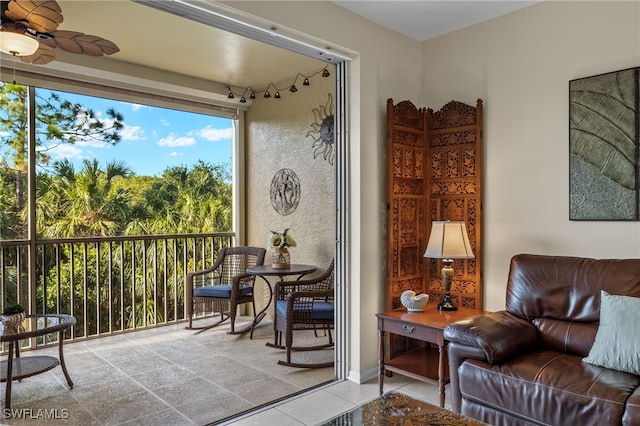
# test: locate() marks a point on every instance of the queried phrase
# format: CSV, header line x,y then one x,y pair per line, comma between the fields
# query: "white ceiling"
x,y
159,40
422,20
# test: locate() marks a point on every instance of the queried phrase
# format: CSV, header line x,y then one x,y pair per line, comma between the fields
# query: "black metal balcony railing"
x,y
109,284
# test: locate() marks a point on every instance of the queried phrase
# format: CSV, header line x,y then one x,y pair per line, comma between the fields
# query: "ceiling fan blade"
x,y
42,15
43,55
76,42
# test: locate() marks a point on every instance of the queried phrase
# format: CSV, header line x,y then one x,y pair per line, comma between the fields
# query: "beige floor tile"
x,y
119,410
168,417
313,408
353,392
263,391
266,418
213,407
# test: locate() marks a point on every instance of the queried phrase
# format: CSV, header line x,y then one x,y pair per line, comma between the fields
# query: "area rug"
x,y
396,409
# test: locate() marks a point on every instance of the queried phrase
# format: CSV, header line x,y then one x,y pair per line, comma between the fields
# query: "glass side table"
x,y
17,368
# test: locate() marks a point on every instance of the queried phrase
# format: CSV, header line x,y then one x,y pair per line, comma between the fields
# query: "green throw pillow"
x,y
617,342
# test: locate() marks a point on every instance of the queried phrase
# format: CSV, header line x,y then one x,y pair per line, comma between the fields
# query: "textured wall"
x,y
281,134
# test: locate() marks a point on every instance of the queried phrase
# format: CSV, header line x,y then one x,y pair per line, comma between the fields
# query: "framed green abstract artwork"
x,y
604,146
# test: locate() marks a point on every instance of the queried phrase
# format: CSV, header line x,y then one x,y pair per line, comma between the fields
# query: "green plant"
x,y
13,309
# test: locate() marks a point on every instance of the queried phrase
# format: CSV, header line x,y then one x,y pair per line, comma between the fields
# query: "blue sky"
x,y
153,138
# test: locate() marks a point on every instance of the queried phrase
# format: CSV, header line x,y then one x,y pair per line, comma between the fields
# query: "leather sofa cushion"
x,y
499,334
571,337
567,288
632,412
549,387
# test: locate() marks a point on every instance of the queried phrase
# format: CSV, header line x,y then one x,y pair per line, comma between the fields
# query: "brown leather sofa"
x,y
523,365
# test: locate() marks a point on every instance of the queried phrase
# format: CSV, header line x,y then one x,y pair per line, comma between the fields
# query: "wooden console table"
x,y
427,326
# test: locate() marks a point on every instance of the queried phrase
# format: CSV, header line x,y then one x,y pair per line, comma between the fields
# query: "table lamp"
x,y
448,241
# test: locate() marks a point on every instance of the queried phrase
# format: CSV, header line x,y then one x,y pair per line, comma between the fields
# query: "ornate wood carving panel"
x,y
406,200
433,173
454,143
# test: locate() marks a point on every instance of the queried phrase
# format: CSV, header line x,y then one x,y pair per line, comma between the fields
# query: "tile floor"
x,y
320,405
171,376
162,376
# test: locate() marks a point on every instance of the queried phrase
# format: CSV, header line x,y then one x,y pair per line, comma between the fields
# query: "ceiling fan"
x,y
29,31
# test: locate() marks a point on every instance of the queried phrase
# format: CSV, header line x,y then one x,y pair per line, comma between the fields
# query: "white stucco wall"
x,y
521,65
280,134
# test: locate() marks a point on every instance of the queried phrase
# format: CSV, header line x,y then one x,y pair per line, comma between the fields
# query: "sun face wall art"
x,y
322,131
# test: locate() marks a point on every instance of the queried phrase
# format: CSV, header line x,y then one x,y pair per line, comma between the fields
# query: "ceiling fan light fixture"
x,y
17,43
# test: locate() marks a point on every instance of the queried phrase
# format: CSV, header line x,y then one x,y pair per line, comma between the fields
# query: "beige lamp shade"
x,y
448,240
17,44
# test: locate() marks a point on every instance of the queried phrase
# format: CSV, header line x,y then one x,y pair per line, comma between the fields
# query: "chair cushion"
x,y
321,311
220,291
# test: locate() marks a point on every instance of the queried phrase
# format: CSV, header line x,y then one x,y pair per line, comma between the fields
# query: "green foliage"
x,y
100,200
13,309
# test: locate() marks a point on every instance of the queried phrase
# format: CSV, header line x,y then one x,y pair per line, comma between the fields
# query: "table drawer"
x,y
412,330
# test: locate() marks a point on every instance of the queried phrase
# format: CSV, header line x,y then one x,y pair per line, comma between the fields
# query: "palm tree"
x,y
83,203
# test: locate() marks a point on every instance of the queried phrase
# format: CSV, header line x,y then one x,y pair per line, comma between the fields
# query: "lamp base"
x,y
447,305
447,278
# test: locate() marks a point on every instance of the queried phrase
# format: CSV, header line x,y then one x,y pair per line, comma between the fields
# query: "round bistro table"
x,y
17,368
264,271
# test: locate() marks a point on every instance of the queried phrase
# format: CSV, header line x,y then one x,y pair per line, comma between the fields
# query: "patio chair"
x,y
224,286
304,305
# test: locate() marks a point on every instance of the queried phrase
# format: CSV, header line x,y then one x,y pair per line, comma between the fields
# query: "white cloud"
x,y
94,143
212,134
165,123
172,141
174,154
66,151
132,133
136,107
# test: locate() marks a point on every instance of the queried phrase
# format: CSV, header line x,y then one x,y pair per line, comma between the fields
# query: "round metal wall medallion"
x,y
285,191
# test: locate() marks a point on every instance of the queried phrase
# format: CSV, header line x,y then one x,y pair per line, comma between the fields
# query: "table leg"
x,y
381,362
7,395
61,357
441,353
260,315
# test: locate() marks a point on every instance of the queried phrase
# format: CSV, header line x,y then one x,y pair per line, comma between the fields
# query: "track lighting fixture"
x,y
325,73
306,82
293,88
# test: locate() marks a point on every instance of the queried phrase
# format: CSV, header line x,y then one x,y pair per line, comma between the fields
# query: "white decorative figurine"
x,y
412,302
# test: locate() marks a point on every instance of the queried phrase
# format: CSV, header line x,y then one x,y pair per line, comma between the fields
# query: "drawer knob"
x,y
408,329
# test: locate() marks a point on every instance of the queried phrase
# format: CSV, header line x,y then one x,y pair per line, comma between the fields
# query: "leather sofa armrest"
x,y
500,335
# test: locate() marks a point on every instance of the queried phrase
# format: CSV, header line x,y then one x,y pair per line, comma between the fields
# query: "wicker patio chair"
x,y
304,305
224,286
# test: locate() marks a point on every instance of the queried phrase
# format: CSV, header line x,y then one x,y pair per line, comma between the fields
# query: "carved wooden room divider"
x,y
434,172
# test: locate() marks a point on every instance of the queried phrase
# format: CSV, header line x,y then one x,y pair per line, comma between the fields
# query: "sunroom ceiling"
x,y
158,40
